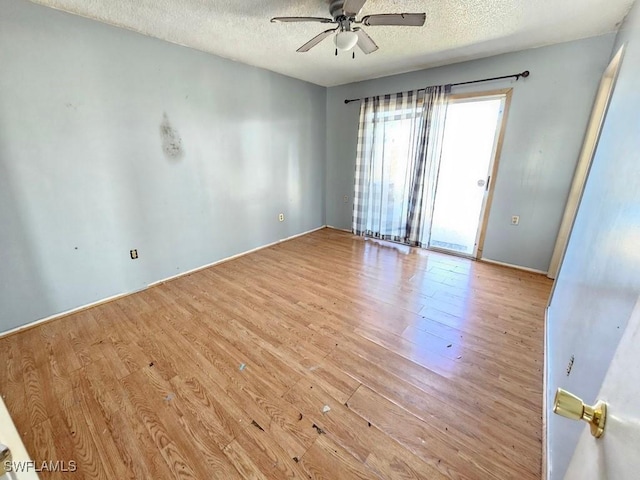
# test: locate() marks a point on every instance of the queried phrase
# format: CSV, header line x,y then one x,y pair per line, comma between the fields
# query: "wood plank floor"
x,y
431,366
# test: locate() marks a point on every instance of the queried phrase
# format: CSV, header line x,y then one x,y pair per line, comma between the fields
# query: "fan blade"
x,y
301,19
403,19
351,8
315,40
365,42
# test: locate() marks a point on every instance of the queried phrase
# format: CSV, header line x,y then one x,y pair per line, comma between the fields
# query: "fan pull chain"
x,y
336,52
353,55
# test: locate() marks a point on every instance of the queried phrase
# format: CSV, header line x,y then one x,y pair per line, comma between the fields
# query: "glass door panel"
x,y
469,145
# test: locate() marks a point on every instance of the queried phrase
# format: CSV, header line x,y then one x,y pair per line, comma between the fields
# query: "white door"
x,y
616,454
20,466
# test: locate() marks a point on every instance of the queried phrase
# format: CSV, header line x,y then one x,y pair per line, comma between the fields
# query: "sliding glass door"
x,y
471,144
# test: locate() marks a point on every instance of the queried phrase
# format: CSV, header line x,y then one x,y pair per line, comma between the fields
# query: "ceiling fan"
x,y
347,36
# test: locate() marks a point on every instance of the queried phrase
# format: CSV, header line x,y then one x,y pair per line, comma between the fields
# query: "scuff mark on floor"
x,y
318,429
255,424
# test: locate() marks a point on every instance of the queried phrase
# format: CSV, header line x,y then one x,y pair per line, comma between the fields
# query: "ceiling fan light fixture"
x,y
344,15
346,40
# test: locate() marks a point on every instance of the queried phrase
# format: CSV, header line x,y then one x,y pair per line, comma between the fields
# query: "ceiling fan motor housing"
x,y
344,13
337,9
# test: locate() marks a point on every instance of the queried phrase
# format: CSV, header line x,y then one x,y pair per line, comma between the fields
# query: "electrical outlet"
x,y
515,220
134,254
345,198
281,217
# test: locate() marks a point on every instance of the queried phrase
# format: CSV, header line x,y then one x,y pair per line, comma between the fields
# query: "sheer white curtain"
x,y
398,156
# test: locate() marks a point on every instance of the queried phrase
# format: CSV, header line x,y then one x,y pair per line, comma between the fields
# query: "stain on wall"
x,y
171,141
52,199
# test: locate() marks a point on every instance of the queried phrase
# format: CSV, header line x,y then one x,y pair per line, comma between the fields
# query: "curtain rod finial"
x,y
525,74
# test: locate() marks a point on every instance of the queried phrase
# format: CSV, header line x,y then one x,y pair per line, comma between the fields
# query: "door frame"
x,y
505,93
588,151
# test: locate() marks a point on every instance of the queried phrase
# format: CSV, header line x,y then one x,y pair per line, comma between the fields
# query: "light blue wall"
x,y
83,174
547,121
599,280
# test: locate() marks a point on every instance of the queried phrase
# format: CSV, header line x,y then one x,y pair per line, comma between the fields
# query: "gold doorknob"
x,y
5,456
570,406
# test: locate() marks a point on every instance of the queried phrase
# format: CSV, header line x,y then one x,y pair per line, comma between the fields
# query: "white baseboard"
x,y
510,265
341,229
35,323
159,282
232,257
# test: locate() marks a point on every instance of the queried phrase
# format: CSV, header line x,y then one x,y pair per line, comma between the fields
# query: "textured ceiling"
x,y
455,30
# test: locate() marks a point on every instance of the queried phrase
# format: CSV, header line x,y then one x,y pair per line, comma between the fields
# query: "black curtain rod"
x,y
517,76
